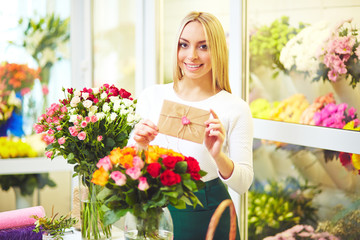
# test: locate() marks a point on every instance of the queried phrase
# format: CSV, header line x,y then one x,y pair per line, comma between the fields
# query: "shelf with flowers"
x,y
142,183
23,184
84,127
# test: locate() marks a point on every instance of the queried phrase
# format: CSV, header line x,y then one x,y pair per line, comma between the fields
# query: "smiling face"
x,y
193,53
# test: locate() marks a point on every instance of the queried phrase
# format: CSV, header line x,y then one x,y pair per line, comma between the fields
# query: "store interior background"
x,y
114,61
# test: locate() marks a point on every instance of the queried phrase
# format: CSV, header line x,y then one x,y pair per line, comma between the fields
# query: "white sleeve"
x,y
240,147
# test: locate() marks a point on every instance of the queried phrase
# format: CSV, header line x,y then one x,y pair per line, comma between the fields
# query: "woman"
x,y
201,81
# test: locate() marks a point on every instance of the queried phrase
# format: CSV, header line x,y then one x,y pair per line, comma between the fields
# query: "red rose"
x,y
124,94
193,165
154,169
169,178
170,161
345,158
196,176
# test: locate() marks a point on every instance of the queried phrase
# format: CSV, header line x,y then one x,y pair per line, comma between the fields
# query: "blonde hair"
x,y
216,41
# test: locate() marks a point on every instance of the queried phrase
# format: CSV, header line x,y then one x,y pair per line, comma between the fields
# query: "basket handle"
x,y
216,217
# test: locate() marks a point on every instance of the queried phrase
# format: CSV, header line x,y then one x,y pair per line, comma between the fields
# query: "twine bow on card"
x,y
183,121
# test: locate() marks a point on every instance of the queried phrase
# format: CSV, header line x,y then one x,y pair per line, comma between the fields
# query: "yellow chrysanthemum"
x,y
355,159
100,177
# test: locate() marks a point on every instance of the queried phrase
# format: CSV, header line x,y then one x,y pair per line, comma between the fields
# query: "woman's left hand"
x,y
214,135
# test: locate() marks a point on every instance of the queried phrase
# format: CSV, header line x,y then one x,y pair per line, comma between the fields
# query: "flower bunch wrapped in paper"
x,y
340,55
84,127
141,182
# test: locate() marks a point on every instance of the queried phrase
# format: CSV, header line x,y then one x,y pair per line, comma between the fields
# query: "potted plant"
x,y
53,227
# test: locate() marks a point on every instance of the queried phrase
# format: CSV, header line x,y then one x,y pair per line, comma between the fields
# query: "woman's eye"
x,y
183,45
204,47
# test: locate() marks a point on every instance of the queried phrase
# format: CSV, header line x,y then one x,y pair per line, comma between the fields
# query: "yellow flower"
x,y
100,177
355,159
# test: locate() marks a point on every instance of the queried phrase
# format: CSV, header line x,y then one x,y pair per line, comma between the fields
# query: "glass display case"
x,y
304,93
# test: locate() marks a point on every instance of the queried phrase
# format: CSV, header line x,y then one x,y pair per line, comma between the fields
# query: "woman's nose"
x,y
193,54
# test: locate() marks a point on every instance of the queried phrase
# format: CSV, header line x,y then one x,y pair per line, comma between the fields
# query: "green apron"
x,y
192,224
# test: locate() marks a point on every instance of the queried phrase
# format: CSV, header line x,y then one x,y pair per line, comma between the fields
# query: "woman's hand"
x,y
144,132
214,135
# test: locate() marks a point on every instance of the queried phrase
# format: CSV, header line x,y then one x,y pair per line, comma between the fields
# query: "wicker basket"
x,y
216,217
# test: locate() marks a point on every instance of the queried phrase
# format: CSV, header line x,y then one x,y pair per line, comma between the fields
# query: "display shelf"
x,y
307,135
33,165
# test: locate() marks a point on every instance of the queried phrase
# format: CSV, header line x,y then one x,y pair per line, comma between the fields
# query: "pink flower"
x,y
94,119
61,140
82,135
63,109
38,128
87,119
49,139
105,163
59,128
137,162
133,172
99,138
50,131
45,89
118,177
143,184
48,154
73,131
25,91
83,124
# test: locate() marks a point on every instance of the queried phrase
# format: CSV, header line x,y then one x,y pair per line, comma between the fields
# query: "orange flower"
x,y
115,156
123,156
100,177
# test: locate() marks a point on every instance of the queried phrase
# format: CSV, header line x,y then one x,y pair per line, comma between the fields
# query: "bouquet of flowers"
x,y
8,103
143,182
18,77
300,52
334,115
340,55
85,126
267,41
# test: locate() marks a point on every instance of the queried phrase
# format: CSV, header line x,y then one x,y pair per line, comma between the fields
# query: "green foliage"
x,y
26,182
54,226
278,206
267,42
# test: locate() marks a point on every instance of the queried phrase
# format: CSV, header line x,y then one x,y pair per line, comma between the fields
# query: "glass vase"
x,y
156,225
91,214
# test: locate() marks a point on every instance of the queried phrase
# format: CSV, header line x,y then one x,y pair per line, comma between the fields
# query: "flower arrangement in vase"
x,y
143,183
45,39
85,126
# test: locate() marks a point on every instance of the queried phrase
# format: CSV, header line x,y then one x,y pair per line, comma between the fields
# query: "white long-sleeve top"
x,y
234,114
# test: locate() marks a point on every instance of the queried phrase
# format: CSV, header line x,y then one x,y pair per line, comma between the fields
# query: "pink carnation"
x,y
82,135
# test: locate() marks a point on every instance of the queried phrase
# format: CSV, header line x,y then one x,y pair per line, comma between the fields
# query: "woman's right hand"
x,y
144,132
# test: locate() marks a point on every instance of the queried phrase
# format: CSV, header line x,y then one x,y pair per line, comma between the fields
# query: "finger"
x,y
214,114
149,123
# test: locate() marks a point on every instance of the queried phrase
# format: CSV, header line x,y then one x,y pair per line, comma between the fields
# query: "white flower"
x,y
73,118
77,93
48,55
302,50
127,102
124,111
113,116
100,115
130,118
85,95
106,107
103,95
74,101
117,105
87,103
93,109
95,90
114,98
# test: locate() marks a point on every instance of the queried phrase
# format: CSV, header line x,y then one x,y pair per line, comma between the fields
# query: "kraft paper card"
x,y
183,121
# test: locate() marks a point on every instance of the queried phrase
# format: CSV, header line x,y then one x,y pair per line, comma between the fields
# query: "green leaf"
x,y
104,193
171,194
113,216
110,142
190,184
